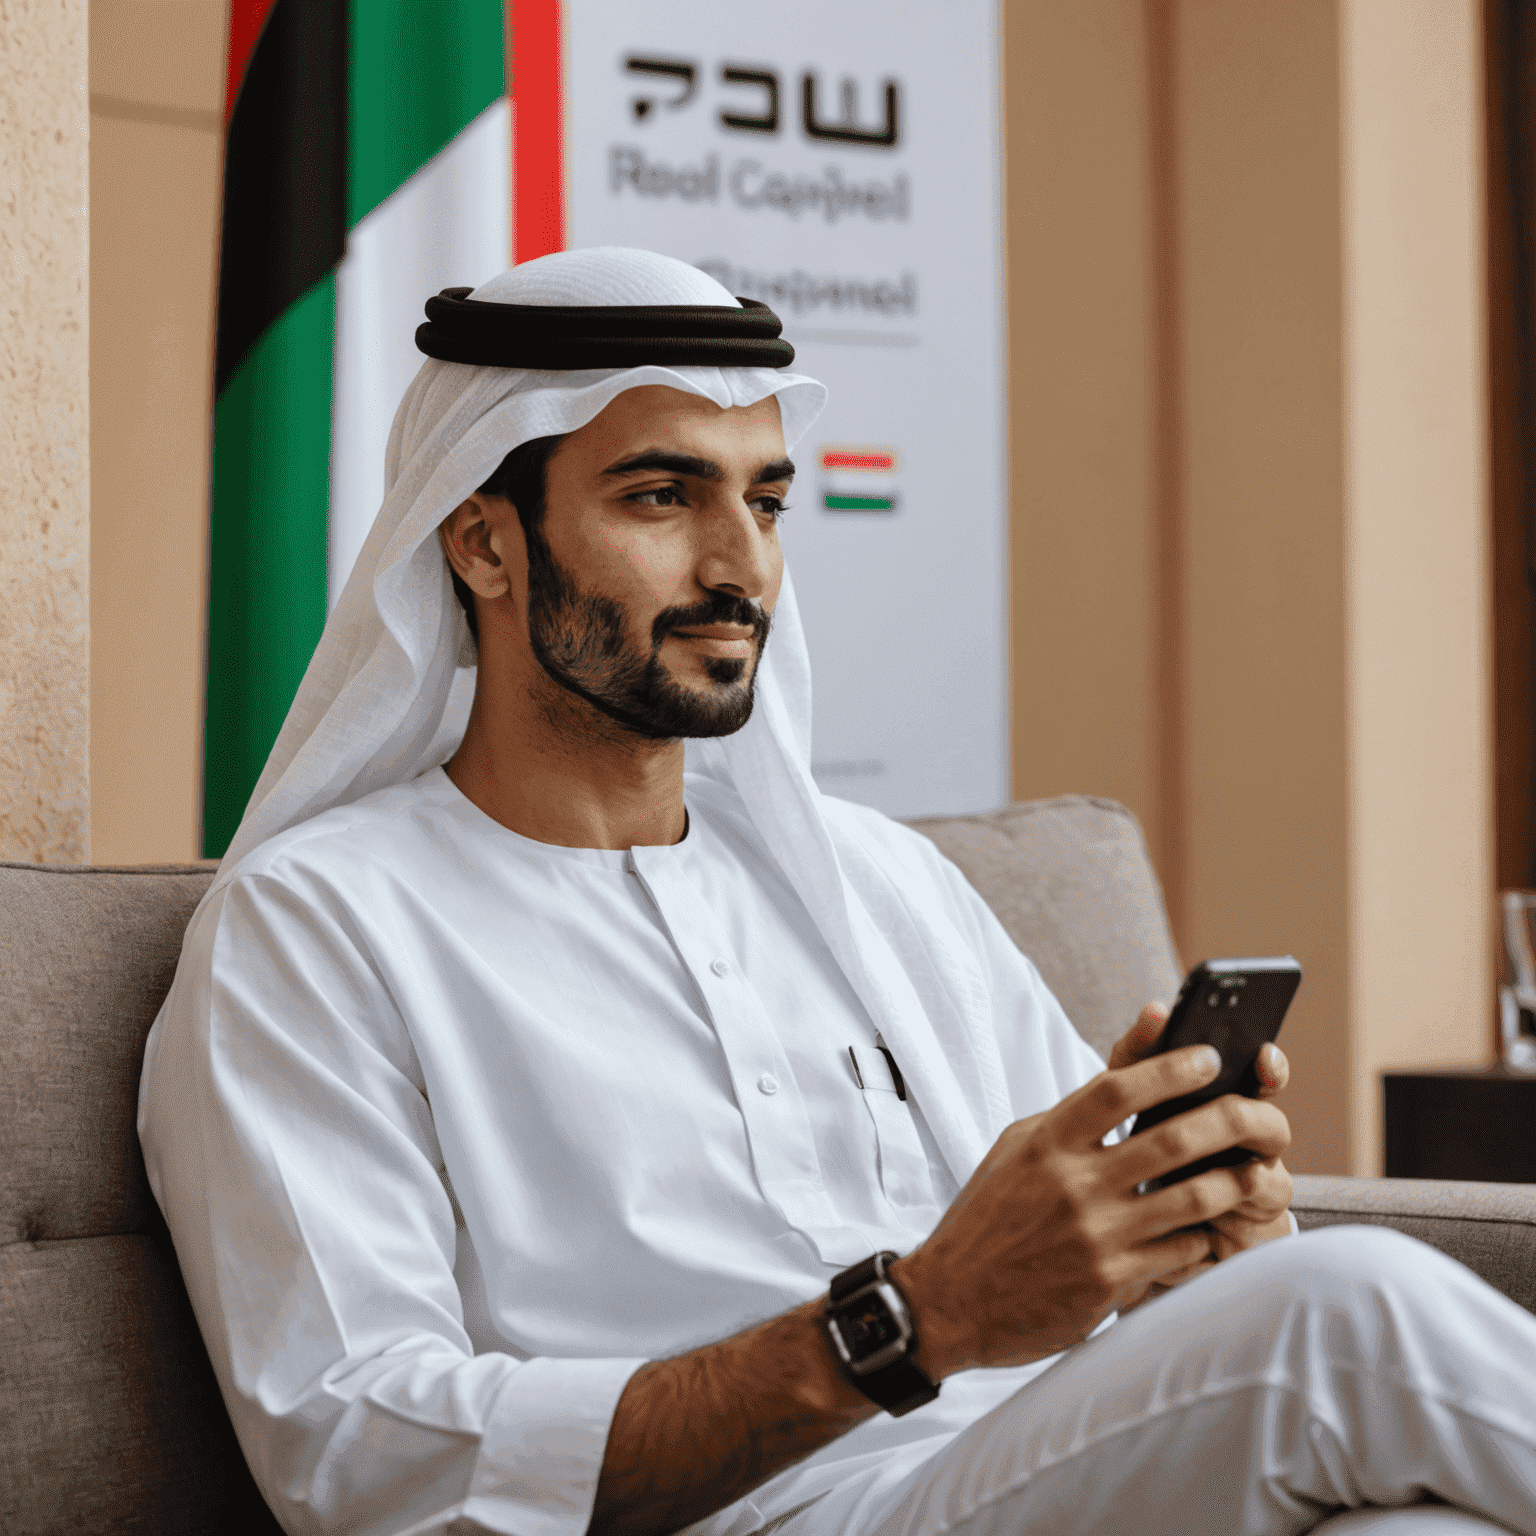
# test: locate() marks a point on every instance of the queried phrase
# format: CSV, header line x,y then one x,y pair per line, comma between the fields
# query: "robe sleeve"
x,y
290,1143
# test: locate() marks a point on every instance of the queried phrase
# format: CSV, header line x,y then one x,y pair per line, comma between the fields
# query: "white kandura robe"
x,y
454,1129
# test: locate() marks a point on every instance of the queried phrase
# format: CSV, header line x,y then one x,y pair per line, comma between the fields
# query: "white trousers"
x,y
1344,1368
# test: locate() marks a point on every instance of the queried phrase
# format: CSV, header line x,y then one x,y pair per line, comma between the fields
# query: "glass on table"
x,y
1517,992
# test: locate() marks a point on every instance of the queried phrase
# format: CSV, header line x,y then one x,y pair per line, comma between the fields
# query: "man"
x,y
513,1117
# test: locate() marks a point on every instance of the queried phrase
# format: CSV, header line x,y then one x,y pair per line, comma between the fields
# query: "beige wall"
x,y
1080,373
157,98
44,426
1249,508
1416,560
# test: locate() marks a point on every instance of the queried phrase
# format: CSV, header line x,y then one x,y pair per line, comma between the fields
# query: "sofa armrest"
x,y
1491,1228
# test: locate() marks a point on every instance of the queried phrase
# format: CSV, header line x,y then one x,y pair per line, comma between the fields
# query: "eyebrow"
x,y
775,469
699,469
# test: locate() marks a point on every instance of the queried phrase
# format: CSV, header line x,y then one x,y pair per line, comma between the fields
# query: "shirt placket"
x,y
778,1127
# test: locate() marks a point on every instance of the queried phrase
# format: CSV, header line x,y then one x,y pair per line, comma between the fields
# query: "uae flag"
x,y
366,166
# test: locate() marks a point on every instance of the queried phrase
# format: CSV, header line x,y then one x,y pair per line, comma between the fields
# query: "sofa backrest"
x,y
110,1418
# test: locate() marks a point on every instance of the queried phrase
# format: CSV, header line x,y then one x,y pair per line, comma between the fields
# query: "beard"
x,y
583,642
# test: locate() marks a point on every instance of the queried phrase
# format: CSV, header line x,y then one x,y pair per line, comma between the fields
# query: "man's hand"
x,y
1050,1234
1263,1213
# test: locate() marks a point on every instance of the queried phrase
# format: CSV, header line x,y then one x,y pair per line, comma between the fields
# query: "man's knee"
x,y
1351,1259
1369,1284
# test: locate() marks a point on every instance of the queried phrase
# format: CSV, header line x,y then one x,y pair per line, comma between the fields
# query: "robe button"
x,y
768,1084
719,967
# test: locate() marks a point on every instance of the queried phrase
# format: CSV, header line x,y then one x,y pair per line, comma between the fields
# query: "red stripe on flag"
x,y
246,18
536,72
857,461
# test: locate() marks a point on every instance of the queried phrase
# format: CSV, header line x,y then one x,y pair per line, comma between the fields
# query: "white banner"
x,y
840,161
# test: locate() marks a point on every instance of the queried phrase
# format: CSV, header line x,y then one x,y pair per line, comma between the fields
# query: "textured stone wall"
x,y
44,424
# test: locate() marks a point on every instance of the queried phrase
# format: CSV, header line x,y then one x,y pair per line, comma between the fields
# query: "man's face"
x,y
654,572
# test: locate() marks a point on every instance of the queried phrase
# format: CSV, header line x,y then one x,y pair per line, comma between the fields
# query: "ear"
x,y
473,536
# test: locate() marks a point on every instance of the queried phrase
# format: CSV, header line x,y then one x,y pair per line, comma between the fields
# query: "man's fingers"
x,y
1267,1188
1134,1044
1274,1070
1230,1121
1087,1116
1174,1255
1204,1198
1161,1260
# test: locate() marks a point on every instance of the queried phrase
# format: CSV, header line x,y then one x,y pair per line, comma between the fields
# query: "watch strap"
x,y
898,1387
865,1272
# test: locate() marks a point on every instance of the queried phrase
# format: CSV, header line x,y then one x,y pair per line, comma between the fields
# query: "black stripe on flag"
x,y
285,174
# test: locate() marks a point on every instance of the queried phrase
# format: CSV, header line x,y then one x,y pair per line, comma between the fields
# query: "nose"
x,y
739,553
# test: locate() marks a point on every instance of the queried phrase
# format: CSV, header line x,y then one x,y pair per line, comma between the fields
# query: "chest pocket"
x,y
904,1174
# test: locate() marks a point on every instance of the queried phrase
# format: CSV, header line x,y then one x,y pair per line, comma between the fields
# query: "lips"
x,y
716,632
721,618
718,644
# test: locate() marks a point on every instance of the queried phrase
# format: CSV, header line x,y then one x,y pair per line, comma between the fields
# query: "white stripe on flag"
x,y
448,226
857,482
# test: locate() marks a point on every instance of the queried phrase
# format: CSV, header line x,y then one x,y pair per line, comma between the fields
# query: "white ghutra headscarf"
x,y
386,696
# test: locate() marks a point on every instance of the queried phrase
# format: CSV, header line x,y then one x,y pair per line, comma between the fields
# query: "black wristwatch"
x,y
870,1330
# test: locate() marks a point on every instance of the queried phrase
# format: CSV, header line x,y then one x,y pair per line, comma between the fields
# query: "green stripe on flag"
x,y
267,549
858,503
421,71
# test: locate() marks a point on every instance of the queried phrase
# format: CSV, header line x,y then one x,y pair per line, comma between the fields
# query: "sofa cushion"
x,y
87,958
109,1415
1071,881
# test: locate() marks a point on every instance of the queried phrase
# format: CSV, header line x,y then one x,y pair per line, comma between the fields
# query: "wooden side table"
x,y
1461,1123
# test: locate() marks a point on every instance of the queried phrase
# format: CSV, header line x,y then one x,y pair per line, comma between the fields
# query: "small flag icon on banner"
x,y
858,479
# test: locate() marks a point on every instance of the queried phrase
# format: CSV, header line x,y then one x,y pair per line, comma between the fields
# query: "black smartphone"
x,y
1236,1006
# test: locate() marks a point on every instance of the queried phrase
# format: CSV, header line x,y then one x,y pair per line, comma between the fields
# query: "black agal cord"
x,y
464,330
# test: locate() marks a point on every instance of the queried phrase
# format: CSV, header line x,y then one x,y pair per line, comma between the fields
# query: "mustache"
x,y
718,608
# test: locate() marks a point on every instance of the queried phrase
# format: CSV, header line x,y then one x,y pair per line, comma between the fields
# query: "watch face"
x,y
867,1326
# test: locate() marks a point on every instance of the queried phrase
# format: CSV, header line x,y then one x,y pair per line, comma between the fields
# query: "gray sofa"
x,y
110,1421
